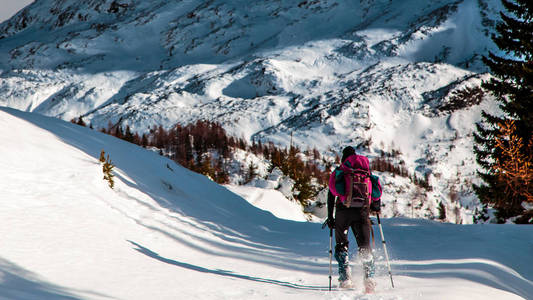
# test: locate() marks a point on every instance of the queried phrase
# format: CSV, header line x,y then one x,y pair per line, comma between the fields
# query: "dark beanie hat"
x,y
346,152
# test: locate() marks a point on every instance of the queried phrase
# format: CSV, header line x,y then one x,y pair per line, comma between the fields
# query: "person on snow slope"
x,y
349,193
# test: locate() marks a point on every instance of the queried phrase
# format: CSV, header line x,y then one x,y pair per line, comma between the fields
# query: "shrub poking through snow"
x,y
102,156
107,168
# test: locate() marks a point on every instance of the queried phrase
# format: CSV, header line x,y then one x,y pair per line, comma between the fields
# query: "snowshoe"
x,y
370,286
346,284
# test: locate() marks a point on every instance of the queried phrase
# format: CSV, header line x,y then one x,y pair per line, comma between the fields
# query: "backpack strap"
x,y
349,190
360,172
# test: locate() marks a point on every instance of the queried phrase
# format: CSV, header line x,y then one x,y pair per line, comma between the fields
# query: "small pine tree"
x,y
107,169
205,167
144,140
221,176
81,122
305,190
102,156
118,132
481,216
442,211
251,173
128,135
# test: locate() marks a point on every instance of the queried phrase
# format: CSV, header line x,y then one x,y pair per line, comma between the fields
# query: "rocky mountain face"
x,y
387,76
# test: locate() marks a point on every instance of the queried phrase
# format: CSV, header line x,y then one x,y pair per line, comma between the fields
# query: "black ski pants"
x,y
356,218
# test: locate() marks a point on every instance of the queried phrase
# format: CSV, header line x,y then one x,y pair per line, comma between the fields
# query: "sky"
x,y
9,7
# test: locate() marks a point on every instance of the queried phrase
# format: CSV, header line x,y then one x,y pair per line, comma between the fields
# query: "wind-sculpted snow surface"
x,y
164,232
398,76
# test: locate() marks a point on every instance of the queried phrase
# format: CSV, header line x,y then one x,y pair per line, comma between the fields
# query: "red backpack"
x,y
351,182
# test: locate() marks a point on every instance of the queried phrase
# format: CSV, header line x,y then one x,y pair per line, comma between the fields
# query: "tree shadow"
x,y
484,272
490,254
226,273
18,283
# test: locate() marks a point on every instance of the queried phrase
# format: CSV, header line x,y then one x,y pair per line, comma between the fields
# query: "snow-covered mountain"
x,y
378,74
165,232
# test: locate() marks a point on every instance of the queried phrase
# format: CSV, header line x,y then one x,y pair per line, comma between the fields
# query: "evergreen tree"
x,y
137,139
251,173
128,135
512,86
107,169
442,211
221,175
205,166
81,122
481,216
161,137
118,132
144,140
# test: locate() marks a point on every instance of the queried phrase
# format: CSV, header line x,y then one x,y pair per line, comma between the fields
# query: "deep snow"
x,y
167,233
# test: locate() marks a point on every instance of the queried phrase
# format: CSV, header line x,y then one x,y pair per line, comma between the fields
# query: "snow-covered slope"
x,y
378,74
164,232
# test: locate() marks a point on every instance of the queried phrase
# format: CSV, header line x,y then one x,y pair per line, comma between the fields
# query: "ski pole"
x,y
372,233
385,248
330,255
330,251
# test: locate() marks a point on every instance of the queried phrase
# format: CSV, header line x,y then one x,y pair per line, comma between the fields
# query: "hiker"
x,y
354,213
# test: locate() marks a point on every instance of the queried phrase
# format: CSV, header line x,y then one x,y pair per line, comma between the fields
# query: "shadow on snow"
x,y
18,283
227,273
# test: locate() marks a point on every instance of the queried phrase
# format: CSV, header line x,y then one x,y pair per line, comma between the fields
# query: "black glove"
x,y
375,206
